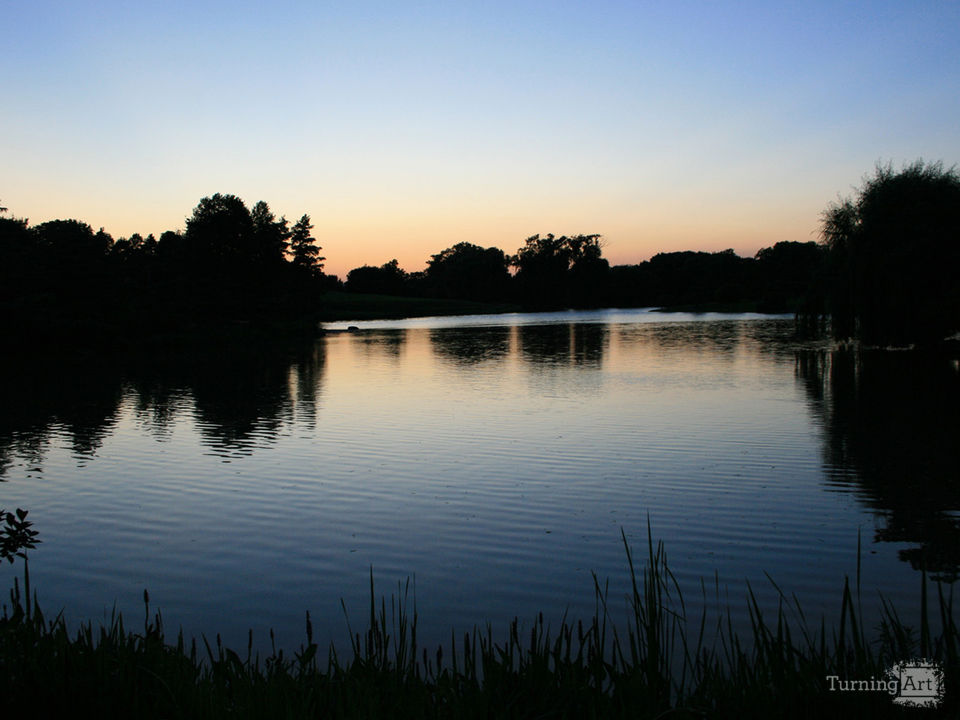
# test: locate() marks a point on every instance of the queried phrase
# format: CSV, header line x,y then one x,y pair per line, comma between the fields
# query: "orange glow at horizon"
x,y
351,238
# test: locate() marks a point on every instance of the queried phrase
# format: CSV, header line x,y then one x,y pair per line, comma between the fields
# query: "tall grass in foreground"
x,y
659,664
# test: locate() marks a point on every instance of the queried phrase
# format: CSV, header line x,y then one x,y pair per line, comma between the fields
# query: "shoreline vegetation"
x,y
884,273
660,663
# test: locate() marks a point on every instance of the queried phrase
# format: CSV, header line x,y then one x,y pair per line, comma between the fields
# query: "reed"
x,y
660,663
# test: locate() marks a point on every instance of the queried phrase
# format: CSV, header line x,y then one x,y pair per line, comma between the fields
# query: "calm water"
x,y
494,460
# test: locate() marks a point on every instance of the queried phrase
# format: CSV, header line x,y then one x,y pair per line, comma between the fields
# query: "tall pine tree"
x,y
302,245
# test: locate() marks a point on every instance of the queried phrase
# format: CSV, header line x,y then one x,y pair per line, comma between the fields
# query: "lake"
x,y
493,460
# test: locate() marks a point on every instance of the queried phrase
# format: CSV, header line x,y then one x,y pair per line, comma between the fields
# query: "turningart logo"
x,y
920,683
914,683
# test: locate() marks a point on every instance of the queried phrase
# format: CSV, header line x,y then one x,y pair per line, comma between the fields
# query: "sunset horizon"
x,y
402,131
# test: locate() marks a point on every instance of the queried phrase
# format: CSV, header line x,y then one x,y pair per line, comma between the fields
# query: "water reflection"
x,y
305,378
76,397
471,345
239,394
718,339
238,399
388,342
892,420
495,463
563,344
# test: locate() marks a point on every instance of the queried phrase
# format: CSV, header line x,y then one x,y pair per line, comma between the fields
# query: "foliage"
x,y
885,272
303,247
570,271
222,233
467,271
270,236
18,259
894,256
388,279
553,254
663,662
220,229
16,535
791,277
229,266
698,279
561,271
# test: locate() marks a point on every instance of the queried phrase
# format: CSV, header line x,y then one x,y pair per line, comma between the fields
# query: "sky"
x,y
403,128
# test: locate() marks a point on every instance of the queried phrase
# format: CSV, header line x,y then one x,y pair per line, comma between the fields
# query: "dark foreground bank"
x,y
661,664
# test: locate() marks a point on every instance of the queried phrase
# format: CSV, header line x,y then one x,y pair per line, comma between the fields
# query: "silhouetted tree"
x,y
469,271
124,247
72,256
790,275
171,245
220,232
589,273
686,278
894,256
230,264
18,259
303,247
135,245
548,268
388,279
72,240
270,236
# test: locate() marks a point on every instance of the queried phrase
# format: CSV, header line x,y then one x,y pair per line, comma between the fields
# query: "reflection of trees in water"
x,y
238,398
45,395
718,338
582,344
471,345
779,338
894,418
240,393
589,344
157,404
306,375
25,444
388,342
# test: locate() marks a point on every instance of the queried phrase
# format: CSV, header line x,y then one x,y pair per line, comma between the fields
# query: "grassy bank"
x,y
339,305
659,664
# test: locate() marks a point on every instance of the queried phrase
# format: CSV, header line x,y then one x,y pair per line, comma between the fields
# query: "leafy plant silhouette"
x,y
16,537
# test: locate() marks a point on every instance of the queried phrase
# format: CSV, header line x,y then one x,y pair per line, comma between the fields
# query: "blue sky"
x,y
403,128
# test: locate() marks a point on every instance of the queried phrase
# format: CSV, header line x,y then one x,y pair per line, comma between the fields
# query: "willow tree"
x,y
894,256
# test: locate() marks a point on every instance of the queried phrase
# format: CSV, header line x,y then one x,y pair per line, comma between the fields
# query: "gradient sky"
x,y
404,128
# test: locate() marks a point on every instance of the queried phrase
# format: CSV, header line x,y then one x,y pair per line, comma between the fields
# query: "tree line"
x,y
230,264
884,271
550,272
